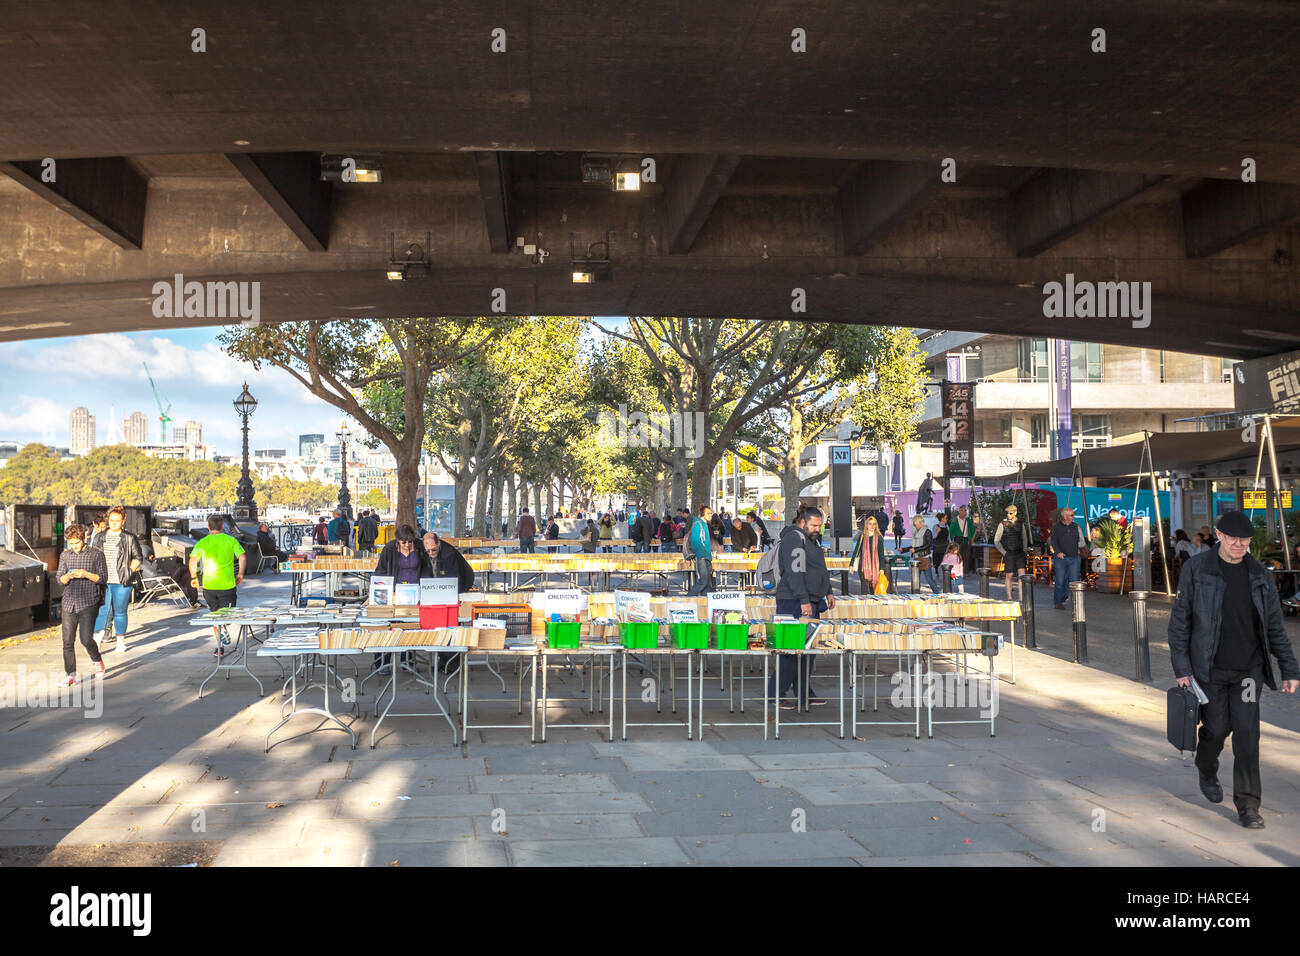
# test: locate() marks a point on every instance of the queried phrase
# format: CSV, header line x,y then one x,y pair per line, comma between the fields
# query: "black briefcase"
x,y
1182,717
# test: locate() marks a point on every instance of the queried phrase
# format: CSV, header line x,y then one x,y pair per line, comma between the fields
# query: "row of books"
x,y
487,638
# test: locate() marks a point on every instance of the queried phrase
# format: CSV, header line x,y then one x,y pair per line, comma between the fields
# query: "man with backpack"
x,y
701,548
803,589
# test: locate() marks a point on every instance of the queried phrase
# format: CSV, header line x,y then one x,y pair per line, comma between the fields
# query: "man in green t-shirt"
x,y
222,559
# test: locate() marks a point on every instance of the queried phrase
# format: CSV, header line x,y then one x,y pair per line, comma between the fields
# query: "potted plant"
x,y
1115,541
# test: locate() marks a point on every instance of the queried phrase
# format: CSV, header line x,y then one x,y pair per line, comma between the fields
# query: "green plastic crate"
x,y
566,634
789,636
733,637
687,634
638,634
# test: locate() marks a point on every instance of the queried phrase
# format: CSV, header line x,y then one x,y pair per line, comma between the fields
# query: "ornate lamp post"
x,y
345,497
245,507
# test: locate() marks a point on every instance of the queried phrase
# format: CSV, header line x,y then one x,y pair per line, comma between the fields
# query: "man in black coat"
x,y
743,537
645,523
448,562
1224,622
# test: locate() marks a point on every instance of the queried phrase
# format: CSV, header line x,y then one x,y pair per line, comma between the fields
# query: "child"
x,y
952,561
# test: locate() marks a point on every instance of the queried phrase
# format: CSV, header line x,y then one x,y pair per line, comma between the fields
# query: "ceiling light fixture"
x,y
412,264
593,267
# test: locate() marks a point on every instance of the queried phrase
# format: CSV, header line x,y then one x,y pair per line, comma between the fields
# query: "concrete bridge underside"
x,y
775,170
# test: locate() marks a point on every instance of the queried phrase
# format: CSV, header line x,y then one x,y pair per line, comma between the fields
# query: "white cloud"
x,y
34,415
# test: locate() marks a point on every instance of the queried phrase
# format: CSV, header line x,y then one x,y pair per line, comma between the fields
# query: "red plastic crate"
x,y
444,615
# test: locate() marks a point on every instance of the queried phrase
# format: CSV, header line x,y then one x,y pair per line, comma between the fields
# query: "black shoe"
x,y
1251,820
817,701
788,705
1210,787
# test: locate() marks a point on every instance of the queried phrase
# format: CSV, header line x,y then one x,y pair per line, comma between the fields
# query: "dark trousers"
x,y
218,599
967,555
526,545
703,576
1228,712
793,669
83,621
869,587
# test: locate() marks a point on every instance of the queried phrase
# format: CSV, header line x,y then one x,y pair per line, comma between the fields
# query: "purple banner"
x,y
1064,424
954,367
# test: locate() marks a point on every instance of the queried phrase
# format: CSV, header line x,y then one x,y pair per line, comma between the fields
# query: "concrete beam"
x,y
879,196
496,183
106,194
694,186
291,185
1221,213
1056,203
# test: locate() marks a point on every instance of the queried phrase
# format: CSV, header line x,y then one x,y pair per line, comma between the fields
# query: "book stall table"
x,y
246,621
523,650
992,711
302,646
813,654
601,657
727,660
661,654
858,658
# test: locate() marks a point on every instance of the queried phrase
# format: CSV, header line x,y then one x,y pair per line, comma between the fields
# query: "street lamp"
x,y
345,498
246,507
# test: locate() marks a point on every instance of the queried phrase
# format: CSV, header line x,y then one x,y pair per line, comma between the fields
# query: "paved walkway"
x,y
1079,773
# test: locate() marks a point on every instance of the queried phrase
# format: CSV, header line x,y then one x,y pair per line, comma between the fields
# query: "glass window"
x,y
1033,360
1039,435
1091,431
1226,368
1085,361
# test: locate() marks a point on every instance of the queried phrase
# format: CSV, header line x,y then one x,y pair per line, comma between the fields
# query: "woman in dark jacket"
x,y
403,559
123,557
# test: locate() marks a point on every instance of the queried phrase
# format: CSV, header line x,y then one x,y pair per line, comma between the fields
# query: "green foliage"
x,y
122,475
1114,539
375,499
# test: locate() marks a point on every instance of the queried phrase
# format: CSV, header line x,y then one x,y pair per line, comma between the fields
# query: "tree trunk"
x,y
701,479
537,504
512,504
461,483
498,502
480,505
408,482
550,498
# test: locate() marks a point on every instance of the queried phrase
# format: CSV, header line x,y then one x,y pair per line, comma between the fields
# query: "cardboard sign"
x,y
726,601
632,605
439,592
381,589
683,614
560,601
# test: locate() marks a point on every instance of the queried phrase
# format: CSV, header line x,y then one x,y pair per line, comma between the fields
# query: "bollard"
x,y
1080,623
1027,609
985,573
916,576
1141,645
945,578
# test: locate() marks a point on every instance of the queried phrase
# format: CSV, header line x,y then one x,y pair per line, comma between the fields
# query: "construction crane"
x,y
163,417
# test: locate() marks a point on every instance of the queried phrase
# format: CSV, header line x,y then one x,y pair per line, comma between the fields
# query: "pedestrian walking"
x,y
961,532
83,572
921,546
869,559
803,590
527,532
1069,545
321,533
1010,541
701,544
123,555
219,559
897,527
1225,621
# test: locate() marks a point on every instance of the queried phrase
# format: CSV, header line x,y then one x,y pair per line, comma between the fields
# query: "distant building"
x,y
269,453
178,452
135,429
191,433
307,445
83,431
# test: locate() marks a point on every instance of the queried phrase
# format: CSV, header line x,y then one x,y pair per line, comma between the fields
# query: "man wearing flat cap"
x,y
1225,621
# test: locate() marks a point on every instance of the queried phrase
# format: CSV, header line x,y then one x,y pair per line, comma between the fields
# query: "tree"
x,y
375,499
336,360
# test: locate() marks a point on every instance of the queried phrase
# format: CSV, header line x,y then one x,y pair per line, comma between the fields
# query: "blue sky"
x,y
43,380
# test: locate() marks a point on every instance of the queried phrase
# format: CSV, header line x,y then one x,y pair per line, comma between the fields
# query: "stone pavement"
x,y
1078,774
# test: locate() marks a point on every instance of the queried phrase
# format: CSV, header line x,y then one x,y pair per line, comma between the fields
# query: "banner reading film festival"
x,y
958,430
1270,384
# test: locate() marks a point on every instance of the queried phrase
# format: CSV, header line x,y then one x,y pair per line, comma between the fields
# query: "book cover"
x,y
381,589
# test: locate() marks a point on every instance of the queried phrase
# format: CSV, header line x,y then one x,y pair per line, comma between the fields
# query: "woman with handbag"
x,y
921,547
870,561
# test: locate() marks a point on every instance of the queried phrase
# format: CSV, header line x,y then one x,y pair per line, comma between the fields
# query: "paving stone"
x,y
427,830
85,796
891,793
482,852
788,846
606,802
256,856
646,851
817,761
942,838
961,859
392,807
544,783
71,817
564,826
1127,856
